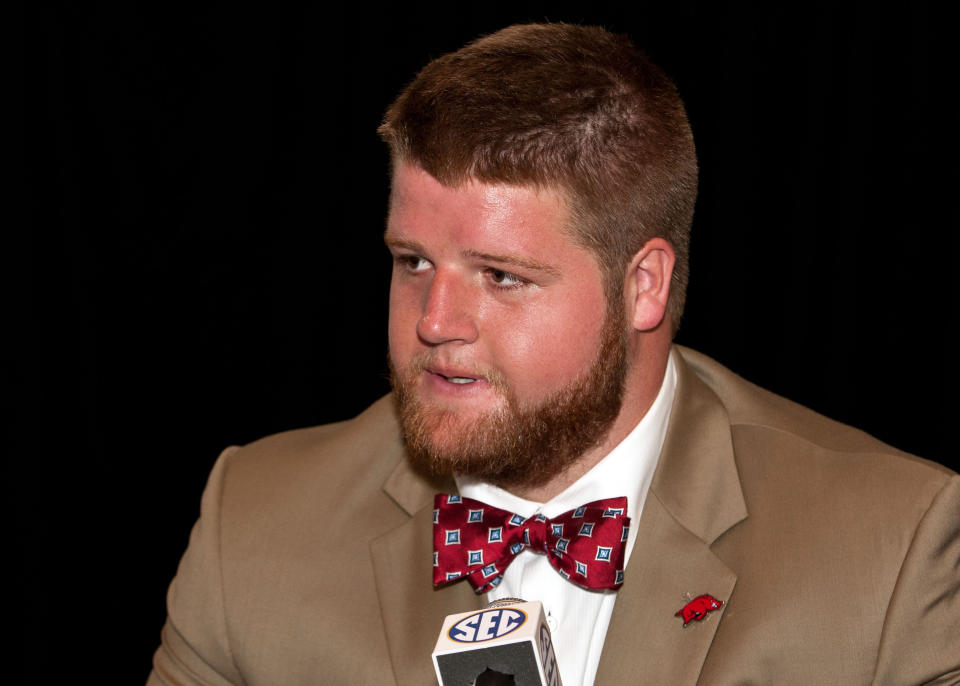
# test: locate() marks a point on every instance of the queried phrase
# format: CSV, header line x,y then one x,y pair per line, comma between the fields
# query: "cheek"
x,y
547,350
402,322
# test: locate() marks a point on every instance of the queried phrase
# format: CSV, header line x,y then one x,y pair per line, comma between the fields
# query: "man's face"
x,y
506,364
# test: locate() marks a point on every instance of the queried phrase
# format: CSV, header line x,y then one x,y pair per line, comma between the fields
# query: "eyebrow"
x,y
395,242
516,260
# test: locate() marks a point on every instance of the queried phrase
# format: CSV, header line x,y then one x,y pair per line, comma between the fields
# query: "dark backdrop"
x,y
205,266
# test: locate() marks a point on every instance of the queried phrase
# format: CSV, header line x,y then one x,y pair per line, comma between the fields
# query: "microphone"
x,y
505,644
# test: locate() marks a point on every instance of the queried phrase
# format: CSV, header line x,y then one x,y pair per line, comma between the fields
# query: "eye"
x,y
412,263
504,279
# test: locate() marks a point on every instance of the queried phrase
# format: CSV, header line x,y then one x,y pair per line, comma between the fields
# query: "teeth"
x,y
459,379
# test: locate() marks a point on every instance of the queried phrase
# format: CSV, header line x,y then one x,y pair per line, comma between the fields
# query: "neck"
x,y
641,386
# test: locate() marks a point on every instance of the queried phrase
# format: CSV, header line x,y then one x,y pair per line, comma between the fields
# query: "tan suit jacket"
x,y
837,557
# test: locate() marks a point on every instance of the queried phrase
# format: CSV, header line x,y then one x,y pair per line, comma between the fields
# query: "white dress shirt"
x,y
578,617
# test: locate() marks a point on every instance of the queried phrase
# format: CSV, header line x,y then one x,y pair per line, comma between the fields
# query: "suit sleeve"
x,y
920,643
195,641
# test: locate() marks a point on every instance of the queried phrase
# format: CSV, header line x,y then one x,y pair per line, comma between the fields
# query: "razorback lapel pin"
x,y
697,609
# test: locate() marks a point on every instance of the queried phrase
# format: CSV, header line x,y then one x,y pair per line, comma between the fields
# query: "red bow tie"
x,y
474,540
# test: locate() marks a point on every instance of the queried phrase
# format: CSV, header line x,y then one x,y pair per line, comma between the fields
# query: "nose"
x,y
448,310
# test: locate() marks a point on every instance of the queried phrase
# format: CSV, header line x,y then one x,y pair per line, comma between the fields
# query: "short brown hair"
x,y
561,106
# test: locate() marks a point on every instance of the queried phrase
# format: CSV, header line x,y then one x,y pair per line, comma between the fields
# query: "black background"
x,y
204,265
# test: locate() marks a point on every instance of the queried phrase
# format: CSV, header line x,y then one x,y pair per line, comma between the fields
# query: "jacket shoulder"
x,y
330,463
276,582
754,409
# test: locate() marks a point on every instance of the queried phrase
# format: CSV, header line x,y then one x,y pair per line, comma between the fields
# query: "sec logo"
x,y
487,625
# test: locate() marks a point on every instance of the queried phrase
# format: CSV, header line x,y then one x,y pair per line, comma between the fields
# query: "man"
x,y
543,187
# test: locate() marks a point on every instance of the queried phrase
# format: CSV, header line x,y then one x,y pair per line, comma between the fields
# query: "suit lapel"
x,y
670,566
412,610
695,497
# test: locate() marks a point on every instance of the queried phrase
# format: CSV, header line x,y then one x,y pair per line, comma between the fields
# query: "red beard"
x,y
517,445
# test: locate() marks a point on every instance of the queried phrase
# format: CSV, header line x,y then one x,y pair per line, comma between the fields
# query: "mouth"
x,y
452,376
462,380
456,382
456,386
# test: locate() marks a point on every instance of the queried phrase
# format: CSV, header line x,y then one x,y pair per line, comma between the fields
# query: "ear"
x,y
647,285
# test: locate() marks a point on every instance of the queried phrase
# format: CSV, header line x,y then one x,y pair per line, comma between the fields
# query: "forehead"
x,y
514,217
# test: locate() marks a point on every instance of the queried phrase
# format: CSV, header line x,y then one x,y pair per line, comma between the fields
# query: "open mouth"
x,y
458,379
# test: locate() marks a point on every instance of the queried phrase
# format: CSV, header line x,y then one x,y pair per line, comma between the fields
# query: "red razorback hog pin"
x,y
697,609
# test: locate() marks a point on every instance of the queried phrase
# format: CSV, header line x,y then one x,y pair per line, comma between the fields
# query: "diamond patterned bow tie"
x,y
474,540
